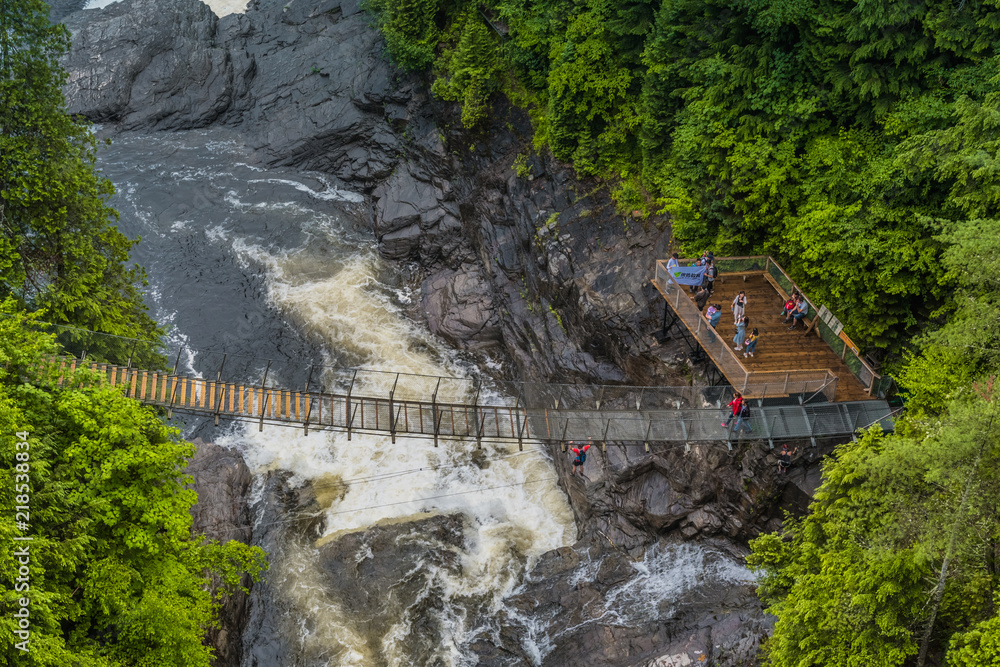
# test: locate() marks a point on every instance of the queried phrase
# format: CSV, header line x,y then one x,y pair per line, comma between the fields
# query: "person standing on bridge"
x,y
736,404
581,458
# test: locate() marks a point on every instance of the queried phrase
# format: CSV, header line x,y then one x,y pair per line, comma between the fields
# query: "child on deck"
x,y
789,306
751,343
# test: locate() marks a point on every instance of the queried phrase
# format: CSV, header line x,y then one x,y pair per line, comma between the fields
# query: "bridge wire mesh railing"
x,y
866,375
204,382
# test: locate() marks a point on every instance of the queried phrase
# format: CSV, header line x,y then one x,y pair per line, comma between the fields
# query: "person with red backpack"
x,y
581,458
737,405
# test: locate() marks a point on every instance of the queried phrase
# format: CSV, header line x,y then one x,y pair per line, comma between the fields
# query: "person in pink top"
x,y
581,457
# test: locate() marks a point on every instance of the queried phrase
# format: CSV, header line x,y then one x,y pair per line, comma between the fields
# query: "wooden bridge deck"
x,y
778,348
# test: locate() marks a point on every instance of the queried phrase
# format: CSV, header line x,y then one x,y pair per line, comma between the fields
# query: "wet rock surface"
x,y
532,265
287,515
222,481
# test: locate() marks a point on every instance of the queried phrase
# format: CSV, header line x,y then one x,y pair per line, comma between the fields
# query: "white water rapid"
x,y
278,265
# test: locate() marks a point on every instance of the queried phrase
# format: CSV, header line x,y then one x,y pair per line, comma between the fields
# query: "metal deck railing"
x,y
727,361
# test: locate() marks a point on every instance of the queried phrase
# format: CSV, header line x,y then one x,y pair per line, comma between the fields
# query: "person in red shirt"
x,y
581,457
789,306
736,404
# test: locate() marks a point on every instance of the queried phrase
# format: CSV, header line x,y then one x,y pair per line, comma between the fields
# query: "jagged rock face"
x,y
307,84
173,77
713,621
222,480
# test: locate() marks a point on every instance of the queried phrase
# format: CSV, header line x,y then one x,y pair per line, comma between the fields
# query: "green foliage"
x,y
521,166
849,582
840,137
59,248
471,71
409,29
115,576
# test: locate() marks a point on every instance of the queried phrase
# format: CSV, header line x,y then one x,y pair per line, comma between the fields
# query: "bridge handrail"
x,y
464,421
861,369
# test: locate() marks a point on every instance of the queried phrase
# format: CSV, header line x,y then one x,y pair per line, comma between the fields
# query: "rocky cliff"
x,y
533,266
222,481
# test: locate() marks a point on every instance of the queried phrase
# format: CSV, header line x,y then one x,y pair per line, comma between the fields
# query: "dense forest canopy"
x,y
114,574
851,140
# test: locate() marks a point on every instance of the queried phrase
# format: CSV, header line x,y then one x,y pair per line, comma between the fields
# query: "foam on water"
x,y
666,575
515,510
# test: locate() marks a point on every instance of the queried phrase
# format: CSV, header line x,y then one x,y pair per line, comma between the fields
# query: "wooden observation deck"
x,y
810,359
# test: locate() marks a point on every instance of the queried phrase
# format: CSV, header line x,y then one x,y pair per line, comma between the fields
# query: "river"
x,y
281,265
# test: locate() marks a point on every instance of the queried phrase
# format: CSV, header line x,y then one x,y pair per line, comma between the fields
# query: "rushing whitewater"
x,y
276,265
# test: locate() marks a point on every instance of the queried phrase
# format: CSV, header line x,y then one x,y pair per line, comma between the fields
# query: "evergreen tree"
x,y
116,578
59,248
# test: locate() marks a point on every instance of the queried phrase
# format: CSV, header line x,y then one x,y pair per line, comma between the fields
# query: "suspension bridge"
x,y
395,404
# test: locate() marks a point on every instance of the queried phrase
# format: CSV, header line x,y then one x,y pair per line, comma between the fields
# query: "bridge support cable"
x,y
497,421
264,395
173,384
221,390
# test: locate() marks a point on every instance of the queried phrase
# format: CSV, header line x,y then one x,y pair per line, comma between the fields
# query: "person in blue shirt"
x,y
672,263
716,316
801,311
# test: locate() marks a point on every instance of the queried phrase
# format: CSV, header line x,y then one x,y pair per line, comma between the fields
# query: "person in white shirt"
x,y
739,306
672,263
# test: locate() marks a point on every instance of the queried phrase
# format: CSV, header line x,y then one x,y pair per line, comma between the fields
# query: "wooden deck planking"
x,y
778,348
